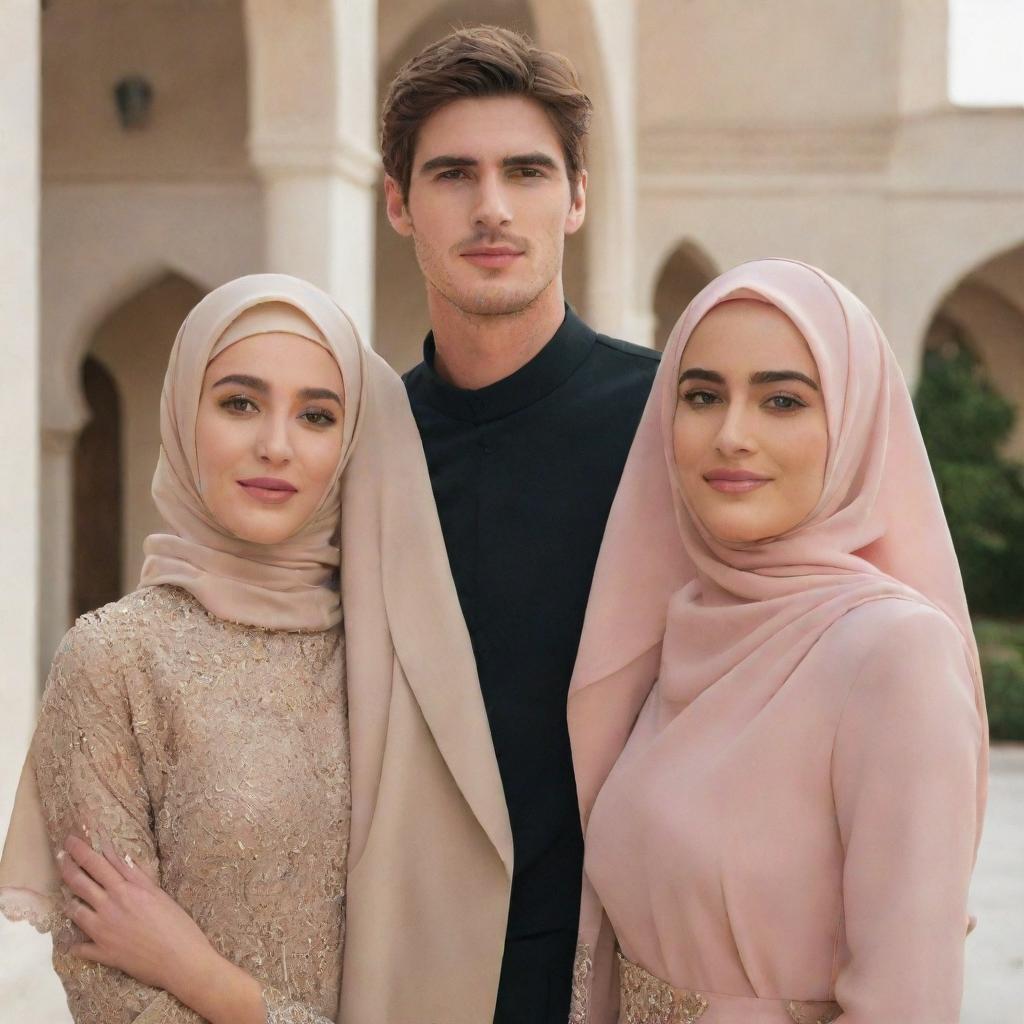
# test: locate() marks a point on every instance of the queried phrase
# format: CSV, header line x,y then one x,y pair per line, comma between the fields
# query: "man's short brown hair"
x,y
476,63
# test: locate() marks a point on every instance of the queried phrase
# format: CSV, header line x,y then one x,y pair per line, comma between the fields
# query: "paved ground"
x,y
30,993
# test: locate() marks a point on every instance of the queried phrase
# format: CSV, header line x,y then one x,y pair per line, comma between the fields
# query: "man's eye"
x,y
452,174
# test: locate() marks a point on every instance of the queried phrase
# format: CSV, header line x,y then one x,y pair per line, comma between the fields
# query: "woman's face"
x,y
750,437
268,434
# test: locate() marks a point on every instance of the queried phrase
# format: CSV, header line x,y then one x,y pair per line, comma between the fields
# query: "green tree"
x,y
965,422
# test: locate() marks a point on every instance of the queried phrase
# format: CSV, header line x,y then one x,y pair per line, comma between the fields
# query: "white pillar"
x,y
319,210
19,367
313,99
29,989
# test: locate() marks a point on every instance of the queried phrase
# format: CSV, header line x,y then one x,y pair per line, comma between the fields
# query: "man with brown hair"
x,y
526,416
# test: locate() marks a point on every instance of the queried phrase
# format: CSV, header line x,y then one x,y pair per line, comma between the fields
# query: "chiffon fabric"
x,y
387,639
780,746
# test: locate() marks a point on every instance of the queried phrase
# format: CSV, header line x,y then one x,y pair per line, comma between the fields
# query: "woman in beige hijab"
x,y
190,783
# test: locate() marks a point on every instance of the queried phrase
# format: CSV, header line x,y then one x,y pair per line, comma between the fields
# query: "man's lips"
x,y
492,257
268,490
735,481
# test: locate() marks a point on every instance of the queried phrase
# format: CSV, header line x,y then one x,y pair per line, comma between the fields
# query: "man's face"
x,y
489,204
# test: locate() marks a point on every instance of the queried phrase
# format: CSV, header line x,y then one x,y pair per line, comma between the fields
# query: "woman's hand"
x,y
131,924
134,926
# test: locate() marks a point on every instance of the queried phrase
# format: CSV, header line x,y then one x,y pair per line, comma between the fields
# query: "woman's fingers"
x,y
91,952
83,916
126,867
78,881
93,863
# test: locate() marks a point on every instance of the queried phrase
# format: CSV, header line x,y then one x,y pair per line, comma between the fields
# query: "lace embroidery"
x,y
649,1000
579,1006
282,1010
217,754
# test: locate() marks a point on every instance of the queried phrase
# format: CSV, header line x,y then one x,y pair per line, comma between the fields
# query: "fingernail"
x,y
60,855
128,860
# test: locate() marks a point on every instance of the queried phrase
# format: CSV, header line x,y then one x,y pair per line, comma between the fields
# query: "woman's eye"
x,y
238,403
319,417
699,399
785,403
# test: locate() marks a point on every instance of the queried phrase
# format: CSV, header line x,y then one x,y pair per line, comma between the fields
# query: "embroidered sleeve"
x,y
582,968
282,1010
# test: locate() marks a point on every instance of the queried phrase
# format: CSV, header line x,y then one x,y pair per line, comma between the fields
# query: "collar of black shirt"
x,y
548,369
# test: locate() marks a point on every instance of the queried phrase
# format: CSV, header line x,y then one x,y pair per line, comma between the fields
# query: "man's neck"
x,y
474,351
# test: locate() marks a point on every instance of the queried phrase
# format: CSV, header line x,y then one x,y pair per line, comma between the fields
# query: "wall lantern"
x,y
134,98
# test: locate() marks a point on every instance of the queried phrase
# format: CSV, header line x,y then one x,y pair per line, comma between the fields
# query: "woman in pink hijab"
x,y
776,715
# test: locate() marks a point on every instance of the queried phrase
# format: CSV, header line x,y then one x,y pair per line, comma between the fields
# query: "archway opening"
x,y
983,314
97,494
686,271
132,345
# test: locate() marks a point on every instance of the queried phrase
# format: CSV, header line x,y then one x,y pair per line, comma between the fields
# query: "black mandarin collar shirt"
x,y
549,368
523,473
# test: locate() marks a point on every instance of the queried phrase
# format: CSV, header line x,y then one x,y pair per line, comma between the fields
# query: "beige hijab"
x,y
290,585
430,856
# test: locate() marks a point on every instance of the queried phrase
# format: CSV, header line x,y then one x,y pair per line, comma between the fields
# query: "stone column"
x,y
19,368
29,990
313,142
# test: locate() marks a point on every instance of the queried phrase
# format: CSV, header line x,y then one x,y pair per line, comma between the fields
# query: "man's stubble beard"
x,y
481,300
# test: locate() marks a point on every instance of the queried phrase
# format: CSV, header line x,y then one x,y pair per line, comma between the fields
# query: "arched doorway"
x,y
96,493
132,344
984,314
686,271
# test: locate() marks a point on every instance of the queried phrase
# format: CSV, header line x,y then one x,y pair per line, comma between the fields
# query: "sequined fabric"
x,y
216,755
646,999
582,968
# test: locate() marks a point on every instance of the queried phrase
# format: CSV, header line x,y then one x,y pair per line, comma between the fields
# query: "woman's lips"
x,y
268,490
731,481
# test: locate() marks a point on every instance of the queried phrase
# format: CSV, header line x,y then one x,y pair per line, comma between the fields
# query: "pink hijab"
x,y
672,604
291,585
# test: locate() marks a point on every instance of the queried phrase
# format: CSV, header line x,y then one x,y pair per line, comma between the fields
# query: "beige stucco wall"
x,y
194,56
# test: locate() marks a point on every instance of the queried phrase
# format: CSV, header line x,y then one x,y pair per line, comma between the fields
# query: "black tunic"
x,y
524,472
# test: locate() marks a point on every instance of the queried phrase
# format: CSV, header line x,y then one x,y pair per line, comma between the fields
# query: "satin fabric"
x,y
702,628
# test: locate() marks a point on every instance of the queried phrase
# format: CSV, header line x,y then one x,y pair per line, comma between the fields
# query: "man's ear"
x,y
578,206
398,214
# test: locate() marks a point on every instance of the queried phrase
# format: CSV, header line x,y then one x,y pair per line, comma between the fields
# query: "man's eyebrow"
x,y
436,163
529,160
697,373
775,376
308,394
256,383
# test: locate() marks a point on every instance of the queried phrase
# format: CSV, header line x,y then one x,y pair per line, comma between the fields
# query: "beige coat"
x,y
430,862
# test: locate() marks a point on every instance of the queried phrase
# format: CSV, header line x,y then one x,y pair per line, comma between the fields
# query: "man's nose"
x,y
493,210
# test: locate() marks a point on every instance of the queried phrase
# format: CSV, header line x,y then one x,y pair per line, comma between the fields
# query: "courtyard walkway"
x,y
31,994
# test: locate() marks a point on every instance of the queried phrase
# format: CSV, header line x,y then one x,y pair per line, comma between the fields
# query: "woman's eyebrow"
x,y
307,394
775,376
256,383
698,373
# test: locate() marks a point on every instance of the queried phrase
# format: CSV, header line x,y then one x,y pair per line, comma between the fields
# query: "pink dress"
x,y
795,854
780,744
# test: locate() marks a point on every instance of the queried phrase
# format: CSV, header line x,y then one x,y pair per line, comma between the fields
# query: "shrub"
x,y
965,421
1001,645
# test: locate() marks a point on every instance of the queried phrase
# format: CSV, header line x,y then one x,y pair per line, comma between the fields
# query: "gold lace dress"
x,y
216,754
